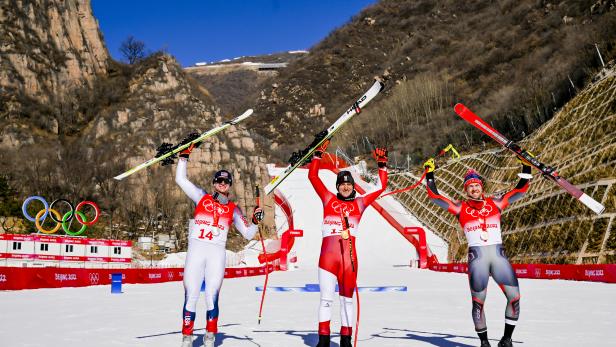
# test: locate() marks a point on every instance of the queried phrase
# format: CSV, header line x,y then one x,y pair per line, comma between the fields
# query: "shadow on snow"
x,y
310,337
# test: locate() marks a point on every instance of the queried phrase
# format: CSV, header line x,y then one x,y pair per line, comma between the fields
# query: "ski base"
x,y
351,111
178,149
547,171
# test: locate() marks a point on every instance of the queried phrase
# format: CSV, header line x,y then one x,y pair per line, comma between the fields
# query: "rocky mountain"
x,y
49,49
73,118
516,61
235,84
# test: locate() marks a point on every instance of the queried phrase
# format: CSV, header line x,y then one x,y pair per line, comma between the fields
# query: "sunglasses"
x,y
221,180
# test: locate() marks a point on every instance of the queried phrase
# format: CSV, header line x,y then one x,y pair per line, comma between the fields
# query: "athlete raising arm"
x,y
338,259
205,259
480,218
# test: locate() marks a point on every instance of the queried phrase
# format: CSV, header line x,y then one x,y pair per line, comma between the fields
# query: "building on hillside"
x,y
161,242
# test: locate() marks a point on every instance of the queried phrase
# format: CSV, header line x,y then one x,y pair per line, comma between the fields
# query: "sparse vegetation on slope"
x,y
548,225
514,61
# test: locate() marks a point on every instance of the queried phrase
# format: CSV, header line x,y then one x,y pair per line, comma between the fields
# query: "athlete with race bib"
x,y
338,260
480,218
205,258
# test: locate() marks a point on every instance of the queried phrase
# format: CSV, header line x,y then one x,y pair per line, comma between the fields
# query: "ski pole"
x,y
348,234
347,227
454,154
357,320
257,195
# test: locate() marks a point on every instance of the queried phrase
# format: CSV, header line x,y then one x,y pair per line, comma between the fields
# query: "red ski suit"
x,y
335,255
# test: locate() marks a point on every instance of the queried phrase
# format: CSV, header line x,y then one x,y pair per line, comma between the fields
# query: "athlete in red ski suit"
x,y
480,218
338,260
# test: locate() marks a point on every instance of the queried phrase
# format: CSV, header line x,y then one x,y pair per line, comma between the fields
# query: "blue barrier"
x,y
314,288
116,283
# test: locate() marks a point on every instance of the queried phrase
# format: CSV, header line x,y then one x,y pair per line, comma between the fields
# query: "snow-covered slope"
x,y
436,310
378,243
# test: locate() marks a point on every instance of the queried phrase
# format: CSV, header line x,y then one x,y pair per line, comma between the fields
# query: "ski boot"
x,y
485,343
209,339
187,340
505,342
345,341
323,341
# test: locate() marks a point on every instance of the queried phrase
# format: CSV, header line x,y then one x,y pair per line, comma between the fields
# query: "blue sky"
x,y
211,30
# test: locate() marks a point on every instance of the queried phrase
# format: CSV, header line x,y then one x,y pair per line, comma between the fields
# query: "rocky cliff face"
x,y
71,119
49,47
162,105
51,52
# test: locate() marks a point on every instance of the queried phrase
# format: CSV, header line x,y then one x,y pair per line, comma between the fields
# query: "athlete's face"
x,y
345,189
474,191
221,186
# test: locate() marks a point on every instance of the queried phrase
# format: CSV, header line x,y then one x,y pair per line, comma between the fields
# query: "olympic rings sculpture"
x,y
61,221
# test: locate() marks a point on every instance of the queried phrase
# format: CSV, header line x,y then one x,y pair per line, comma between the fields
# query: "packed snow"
x,y
435,311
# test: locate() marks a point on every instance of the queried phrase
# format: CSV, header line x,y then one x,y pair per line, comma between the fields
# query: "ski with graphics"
x,y
326,134
172,150
546,171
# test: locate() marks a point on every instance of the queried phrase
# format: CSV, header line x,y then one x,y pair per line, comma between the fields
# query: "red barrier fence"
x,y
16,278
591,273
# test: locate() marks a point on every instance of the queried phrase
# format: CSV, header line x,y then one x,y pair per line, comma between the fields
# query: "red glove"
x,y
257,215
321,149
380,154
185,153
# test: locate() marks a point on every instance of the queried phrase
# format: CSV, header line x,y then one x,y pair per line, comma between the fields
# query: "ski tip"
x,y
459,108
118,177
525,176
248,112
592,204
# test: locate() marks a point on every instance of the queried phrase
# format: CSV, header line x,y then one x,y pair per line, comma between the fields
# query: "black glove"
x,y
257,215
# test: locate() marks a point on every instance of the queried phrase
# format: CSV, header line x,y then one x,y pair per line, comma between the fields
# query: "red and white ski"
x,y
546,170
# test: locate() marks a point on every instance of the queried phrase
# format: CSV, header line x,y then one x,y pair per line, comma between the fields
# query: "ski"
x,y
182,147
346,116
546,171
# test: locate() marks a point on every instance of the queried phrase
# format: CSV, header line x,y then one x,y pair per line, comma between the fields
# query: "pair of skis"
x,y
547,171
352,111
183,146
355,109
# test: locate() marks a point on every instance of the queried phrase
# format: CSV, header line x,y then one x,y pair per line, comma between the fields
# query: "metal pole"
x,y
152,245
599,53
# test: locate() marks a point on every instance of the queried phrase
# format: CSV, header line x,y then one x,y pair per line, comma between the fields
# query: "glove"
x,y
321,149
429,165
523,161
380,154
257,215
185,153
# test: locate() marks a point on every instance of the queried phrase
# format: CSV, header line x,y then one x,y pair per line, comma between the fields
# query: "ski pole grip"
x,y
257,194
